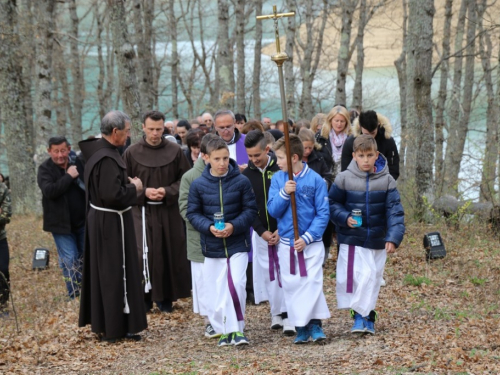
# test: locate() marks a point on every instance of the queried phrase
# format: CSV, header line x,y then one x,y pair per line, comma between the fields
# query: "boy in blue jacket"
x,y
301,260
222,189
366,186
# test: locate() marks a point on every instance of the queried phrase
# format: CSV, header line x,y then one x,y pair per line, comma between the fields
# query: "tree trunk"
x,y
288,65
348,8
460,110
19,145
257,110
77,77
357,92
124,51
143,16
224,66
488,177
44,51
442,95
174,69
62,104
101,96
420,152
239,13
400,65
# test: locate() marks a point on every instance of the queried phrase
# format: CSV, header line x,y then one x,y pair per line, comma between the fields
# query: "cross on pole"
x,y
279,58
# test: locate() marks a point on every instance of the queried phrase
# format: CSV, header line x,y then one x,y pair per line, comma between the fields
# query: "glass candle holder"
x,y
219,221
356,215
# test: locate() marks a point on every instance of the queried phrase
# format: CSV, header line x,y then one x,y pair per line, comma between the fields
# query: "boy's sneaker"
x,y
288,330
276,322
238,338
303,335
210,332
317,333
359,324
369,326
224,340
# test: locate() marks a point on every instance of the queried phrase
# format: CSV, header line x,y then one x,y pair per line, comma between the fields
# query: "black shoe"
x,y
165,306
133,337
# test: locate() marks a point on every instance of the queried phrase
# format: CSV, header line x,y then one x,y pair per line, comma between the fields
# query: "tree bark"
x,y
124,51
77,77
257,110
348,8
19,145
239,13
44,50
488,176
420,152
174,59
442,95
357,92
460,109
224,78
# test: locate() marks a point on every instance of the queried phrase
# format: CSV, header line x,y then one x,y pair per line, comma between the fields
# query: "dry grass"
x,y
449,325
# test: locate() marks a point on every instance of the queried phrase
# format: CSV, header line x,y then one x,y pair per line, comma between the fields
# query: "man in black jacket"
x,y
63,204
265,239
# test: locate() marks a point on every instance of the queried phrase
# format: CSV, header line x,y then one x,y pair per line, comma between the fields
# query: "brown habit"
x,y
102,298
161,166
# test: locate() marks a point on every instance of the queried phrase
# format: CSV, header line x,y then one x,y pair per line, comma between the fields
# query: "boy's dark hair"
x,y
296,146
57,140
368,120
240,117
193,138
153,115
364,143
216,144
184,124
205,141
254,138
252,125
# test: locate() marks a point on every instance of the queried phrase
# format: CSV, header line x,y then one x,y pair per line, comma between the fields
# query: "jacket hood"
x,y
90,146
384,122
199,165
252,166
381,164
232,171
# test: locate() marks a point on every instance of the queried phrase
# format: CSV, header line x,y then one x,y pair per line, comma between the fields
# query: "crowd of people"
x,y
203,208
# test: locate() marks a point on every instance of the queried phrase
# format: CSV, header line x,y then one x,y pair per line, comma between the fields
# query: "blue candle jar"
x,y
356,215
219,221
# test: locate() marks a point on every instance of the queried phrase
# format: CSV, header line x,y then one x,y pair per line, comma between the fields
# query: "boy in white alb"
x,y
301,260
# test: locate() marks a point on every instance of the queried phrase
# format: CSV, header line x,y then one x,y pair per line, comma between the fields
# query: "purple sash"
x,y
302,262
273,261
350,269
234,295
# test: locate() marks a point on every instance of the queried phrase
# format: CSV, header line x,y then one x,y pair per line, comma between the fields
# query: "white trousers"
x,y
199,289
264,289
368,269
304,296
221,311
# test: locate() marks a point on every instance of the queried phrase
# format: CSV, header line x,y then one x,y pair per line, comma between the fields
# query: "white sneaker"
x,y
276,322
382,282
288,330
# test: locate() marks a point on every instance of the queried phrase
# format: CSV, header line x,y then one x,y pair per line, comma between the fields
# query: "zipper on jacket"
x,y
265,198
222,210
367,207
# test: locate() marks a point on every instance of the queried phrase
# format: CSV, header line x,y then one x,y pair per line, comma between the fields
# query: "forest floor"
x,y
434,318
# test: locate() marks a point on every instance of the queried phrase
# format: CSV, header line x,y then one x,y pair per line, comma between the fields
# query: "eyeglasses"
x,y
225,129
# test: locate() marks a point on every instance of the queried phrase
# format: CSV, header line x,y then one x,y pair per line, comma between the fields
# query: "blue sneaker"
x,y
369,326
359,324
317,333
238,338
224,340
303,335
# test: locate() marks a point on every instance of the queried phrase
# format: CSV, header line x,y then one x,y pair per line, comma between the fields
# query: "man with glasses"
x,y
225,121
60,179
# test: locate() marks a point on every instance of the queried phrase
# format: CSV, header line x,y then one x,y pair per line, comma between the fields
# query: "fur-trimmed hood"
x,y
383,121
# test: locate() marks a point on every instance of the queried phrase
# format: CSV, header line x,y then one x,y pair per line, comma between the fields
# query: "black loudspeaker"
x,y
41,258
434,246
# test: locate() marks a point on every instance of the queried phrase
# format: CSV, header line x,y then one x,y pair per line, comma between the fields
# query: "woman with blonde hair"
x,y
317,122
334,132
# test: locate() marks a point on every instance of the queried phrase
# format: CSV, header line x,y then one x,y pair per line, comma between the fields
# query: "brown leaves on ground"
x,y
440,317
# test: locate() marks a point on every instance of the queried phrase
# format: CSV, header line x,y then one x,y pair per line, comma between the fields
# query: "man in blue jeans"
x,y
60,180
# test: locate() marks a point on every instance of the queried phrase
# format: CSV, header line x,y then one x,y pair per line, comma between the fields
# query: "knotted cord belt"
x,y
145,249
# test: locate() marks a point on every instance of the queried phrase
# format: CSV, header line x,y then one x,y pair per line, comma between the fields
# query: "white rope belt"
x,y
145,249
126,309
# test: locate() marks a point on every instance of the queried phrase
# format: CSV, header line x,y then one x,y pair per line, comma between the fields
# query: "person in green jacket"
x,y
194,253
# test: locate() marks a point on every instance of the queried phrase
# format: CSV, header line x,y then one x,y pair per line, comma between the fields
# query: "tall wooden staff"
x,y
279,58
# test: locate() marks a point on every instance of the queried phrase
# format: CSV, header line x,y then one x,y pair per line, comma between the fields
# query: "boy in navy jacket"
x,y
366,186
222,189
301,260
